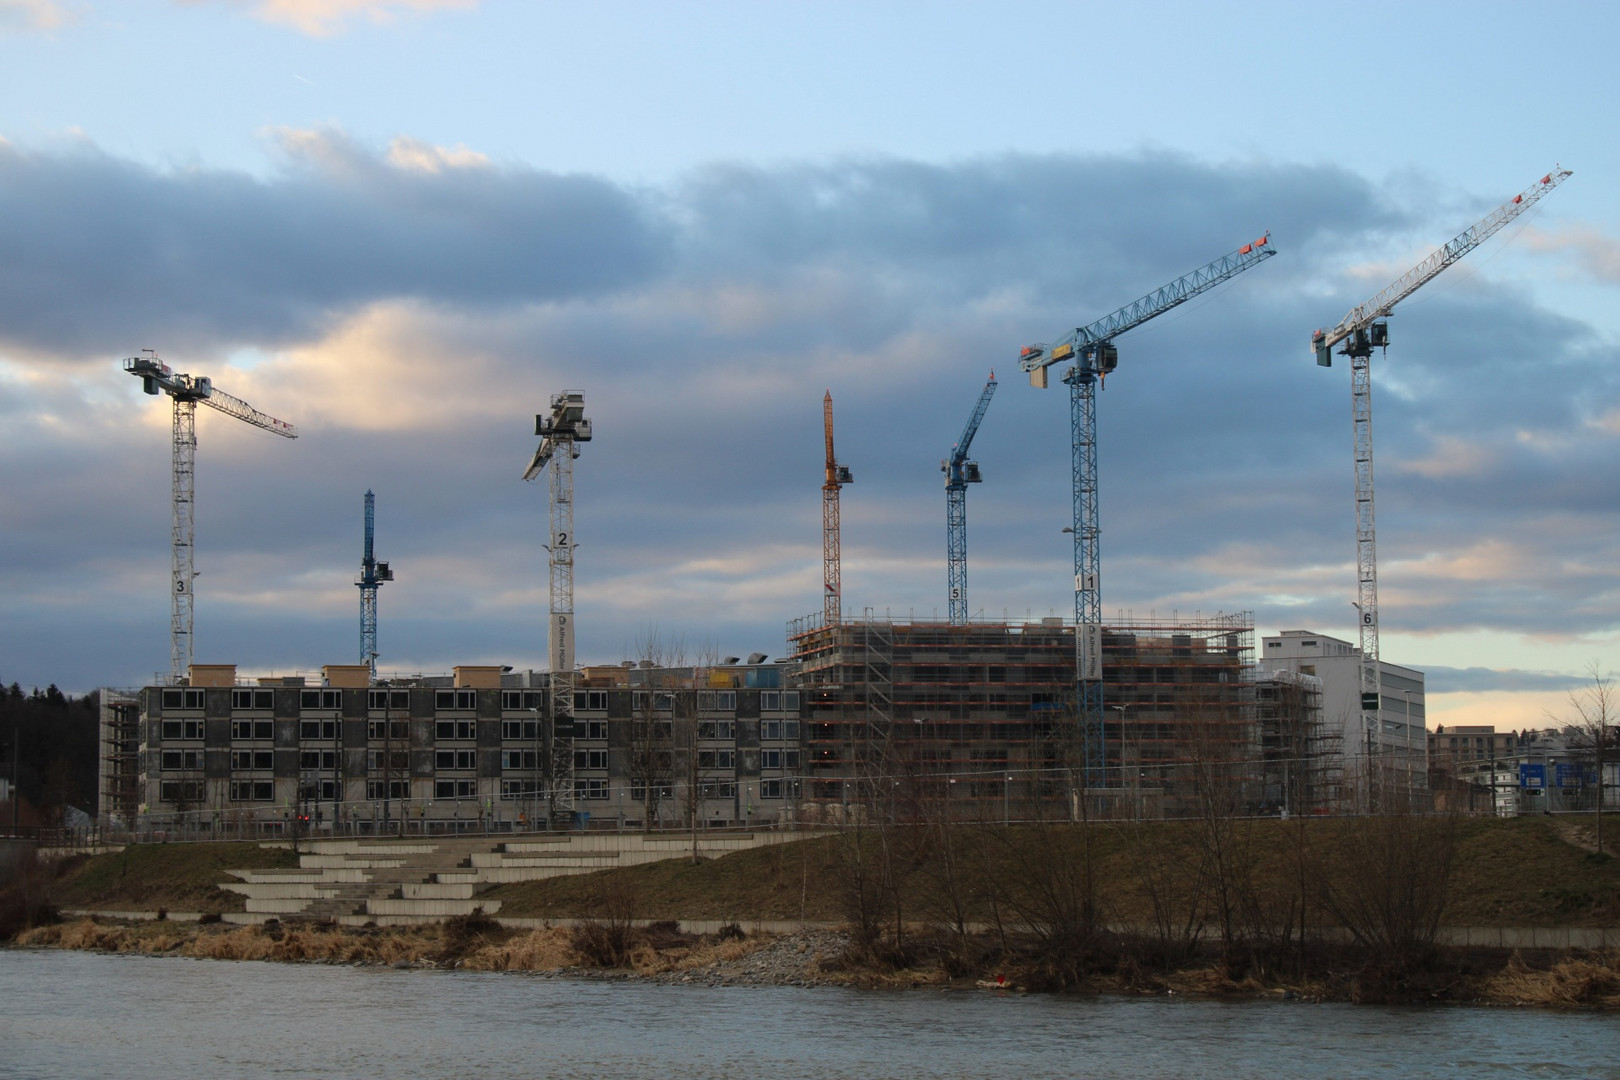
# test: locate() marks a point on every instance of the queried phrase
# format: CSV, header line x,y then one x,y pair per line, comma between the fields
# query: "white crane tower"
x,y
560,436
1361,331
186,390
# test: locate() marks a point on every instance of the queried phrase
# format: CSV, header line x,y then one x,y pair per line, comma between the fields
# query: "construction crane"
x,y
831,557
372,575
560,435
1092,351
186,390
1361,331
959,473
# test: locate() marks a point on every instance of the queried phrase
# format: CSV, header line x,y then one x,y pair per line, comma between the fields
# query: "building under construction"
x,y
980,720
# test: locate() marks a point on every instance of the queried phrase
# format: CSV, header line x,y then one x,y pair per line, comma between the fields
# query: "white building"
x,y
1389,757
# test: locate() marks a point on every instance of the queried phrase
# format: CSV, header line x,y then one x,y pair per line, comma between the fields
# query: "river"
x,y
79,1015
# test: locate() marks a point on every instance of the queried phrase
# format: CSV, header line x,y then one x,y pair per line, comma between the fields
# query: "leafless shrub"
x,y
1165,861
1047,885
1386,879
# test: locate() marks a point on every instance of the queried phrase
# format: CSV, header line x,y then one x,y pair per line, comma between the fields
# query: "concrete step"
x,y
547,858
430,909
320,862
287,891
439,890
497,875
542,844
272,877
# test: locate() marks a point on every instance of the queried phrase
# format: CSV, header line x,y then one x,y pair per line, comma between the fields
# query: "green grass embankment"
x,y
1521,872
177,877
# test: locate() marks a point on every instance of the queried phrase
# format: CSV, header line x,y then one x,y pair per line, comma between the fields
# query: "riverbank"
x,y
661,952
1362,910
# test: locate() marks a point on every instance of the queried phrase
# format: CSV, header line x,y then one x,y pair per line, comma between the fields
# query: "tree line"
x,y
49,742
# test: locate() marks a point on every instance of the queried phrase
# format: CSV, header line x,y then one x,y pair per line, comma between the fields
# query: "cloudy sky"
x,y
403,224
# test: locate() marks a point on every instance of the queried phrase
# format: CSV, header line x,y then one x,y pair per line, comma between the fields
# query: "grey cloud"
x,y
1474,680
1217,431
101,253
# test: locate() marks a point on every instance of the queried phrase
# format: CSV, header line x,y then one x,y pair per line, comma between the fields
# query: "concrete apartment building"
x,y
1393,755
1473,768
976,720
422,754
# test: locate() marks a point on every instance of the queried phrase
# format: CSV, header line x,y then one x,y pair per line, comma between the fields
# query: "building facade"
x,y
473,750
1382,762
979,719
905,718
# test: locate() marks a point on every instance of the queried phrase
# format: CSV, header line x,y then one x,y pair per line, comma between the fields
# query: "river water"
x,y
79,1015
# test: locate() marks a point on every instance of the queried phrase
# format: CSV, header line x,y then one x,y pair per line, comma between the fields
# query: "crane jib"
x,y
1322,341
1154,304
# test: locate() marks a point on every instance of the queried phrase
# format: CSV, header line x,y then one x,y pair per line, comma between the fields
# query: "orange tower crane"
x,y
837,476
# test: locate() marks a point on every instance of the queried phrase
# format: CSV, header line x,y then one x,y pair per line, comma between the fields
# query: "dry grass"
x,y
1585,982
538,950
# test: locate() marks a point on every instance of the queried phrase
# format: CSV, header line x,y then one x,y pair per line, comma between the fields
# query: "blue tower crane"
x,y
1091,349
372,574
959,473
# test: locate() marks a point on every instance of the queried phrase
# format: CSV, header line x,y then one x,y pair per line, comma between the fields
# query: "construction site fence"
x,y
853,793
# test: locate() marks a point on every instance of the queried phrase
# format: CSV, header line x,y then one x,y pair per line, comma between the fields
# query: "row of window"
x,y
707,700
263,699
174,760
451,730
191,791
327,760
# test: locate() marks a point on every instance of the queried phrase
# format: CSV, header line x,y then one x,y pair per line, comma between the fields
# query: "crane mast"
x,y
1360,332
831,555
186,391
372,575
1094,355
959,473
560,435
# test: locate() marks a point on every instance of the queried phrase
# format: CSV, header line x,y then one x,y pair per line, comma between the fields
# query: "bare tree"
x,y
1218,764
1387,879
1165,861
652,730
685,686
1593,706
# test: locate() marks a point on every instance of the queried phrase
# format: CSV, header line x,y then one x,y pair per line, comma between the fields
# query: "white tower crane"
x,y
560,436
1361,331
186,390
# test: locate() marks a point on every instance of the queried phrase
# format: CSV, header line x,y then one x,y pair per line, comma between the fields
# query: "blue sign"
x,y
1532,776
1569,774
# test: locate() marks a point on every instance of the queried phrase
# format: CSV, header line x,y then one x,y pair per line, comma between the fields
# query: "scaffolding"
x,y
120,761
982,715
1303,759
